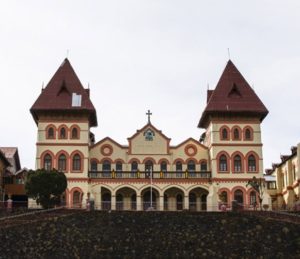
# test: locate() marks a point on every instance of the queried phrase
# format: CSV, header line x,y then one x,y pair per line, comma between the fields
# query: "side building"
x,y
149,171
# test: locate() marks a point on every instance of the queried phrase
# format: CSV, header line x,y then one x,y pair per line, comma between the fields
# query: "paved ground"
x,y
150,235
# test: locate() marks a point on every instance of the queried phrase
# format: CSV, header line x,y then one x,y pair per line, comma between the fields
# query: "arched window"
x,y
253,200
237,163
63,133
94,166
248,134
191,166
223,163
203,166
134,166
62,163
178,166
236,134
224,133
239,196
224,197
163,166
50,133
74,133
251,164
76,163
47,162
148,166
106,166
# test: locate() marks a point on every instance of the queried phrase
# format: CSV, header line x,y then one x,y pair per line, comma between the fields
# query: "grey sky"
x,y
158,55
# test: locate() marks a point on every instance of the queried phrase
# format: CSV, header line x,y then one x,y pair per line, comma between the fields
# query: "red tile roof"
x,y
57,96
232,96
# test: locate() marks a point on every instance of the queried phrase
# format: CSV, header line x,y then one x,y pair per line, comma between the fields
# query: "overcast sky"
x,y
155,54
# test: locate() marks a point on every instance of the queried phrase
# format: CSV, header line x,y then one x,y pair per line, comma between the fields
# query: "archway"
x,y
198,199
105,199
146,198
126,199
76,199
173,199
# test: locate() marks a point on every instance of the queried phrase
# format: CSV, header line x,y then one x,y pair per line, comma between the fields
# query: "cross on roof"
x,y
149,114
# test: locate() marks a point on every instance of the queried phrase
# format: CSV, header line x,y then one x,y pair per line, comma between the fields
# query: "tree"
x,y
46,187
258,186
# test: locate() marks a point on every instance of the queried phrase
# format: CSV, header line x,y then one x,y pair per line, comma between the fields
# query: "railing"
x,y
145,175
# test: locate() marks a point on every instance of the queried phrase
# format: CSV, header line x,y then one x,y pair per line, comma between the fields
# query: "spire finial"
x,y
149,114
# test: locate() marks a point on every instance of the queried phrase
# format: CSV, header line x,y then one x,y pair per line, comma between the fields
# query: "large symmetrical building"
x,y
149,171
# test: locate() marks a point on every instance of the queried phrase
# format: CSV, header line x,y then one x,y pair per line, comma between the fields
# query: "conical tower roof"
x,y
58,95
232,96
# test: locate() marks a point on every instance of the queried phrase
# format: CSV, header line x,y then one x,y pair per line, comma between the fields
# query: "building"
x,y
13,178
283,180
195,175
4,164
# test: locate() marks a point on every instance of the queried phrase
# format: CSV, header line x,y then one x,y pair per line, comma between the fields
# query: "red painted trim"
x,y
228,194
248,196
106,146
242,189
202,160
106,158
149,158
72,194
178,160
189,147
256,161
219,121
251,133
191,159
134,160
64,120
66,131
236,145
62,144
67,160
221,131
53,162
94,159
74,126
163,160
119,160
54,131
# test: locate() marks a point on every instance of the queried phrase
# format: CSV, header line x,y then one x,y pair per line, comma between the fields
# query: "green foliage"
x,y
258,186
46,187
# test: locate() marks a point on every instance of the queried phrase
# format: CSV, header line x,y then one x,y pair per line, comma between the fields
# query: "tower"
x,y
64,115
232,119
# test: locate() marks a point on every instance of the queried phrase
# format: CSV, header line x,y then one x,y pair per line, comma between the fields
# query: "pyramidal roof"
x,y
64,93
232,96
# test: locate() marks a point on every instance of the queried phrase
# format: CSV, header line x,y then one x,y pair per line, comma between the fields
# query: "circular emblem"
x,y
190,150
106,150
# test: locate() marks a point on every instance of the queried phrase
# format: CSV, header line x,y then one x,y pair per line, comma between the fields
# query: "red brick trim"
x,y
240,133
242,162
256,161
228,194
243,190
103,150
119,160
106,158
72,193
251,133
43,156
191,159
221,133
134,160
163,160
190,150
54,131
81,161
74,126
178,160
149,158
218,162
62,144
66,131
67,160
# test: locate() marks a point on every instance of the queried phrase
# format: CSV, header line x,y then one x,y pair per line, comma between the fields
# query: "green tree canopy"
x,y
46,187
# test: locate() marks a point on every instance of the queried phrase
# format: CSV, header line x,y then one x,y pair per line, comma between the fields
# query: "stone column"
x,y
161,203
186,202
139,202
113,202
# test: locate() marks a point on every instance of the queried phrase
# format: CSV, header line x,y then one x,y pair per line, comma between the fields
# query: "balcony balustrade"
x,y
145,175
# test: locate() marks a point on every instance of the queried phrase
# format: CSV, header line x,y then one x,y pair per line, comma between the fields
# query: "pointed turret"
x,y
232,96
64,94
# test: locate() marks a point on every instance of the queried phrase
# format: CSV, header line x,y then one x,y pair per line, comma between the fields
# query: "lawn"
x,y
149,235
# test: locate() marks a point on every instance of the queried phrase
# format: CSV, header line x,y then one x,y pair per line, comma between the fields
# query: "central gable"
x,y
149,141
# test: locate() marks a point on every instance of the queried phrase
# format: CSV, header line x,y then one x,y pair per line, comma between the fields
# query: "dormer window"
x,y
149,134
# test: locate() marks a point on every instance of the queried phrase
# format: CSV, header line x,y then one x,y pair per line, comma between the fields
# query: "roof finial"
x,y
149,114
228,51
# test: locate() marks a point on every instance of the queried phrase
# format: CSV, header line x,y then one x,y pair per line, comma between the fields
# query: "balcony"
x,y
145,175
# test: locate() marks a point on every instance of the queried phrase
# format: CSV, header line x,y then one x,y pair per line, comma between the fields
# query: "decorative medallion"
x,y
149,134
106,150
190,150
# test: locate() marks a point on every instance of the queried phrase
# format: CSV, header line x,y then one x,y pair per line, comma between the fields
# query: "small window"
x,y
106,166
76,165
94,166
236,134
224,133
50,133
251,164
74,133
203,166
163,167
191,166
223,163
119,167
62,163
62,133
248,134
47,162
237,163
178,166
